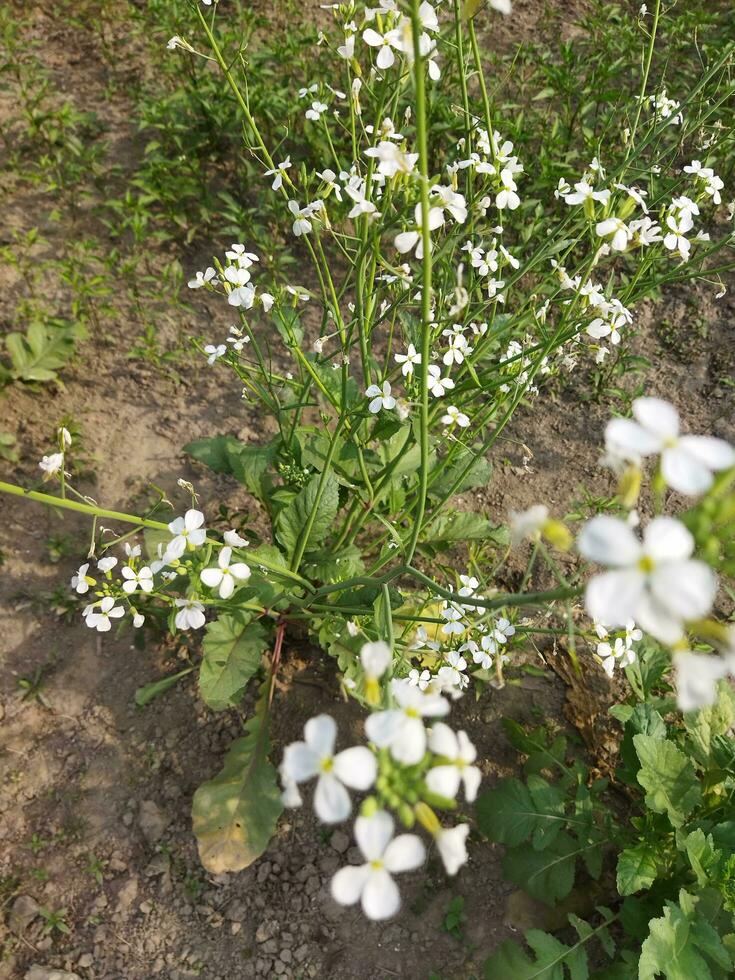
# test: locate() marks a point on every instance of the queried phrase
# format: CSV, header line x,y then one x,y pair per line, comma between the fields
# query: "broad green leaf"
x,y
544,751
234,815
682,945
703,855
144,695
668,777
706,724
547,875
292,520
214,452
459,526
478,474
549,801
637,868
333,566
45,347
507,814
233,647
643,720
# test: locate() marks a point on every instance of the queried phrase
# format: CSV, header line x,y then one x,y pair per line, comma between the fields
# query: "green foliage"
x,y
233,647
316,503
41,351
668,777
682,944
235,813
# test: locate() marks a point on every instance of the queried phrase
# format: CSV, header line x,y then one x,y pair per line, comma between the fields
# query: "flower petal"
x,y
612,598
452,847
404,853
628,439
697,675
356,767
331,800
666,539
444,780
211,577
657,416
608,541
443,741
300,762
373,834
686,588
472,777
714,453
380,896
348,884
383,727
320,733
684,472
410,747
657,620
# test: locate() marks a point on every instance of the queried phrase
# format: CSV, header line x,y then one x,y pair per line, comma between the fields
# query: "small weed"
x,y
55,921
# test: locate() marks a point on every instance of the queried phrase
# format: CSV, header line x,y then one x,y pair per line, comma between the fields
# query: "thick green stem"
x,y
422,141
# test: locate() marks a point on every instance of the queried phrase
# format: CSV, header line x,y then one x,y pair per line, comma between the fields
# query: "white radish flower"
x,y
697,675
687,462
381,397
277,173
355,767
452,847
617,231
188,532
141,579
371,883
401,729
51,465
455,417
456,768
214,352
106,565
81,582
99,616
408,360
202,278
225,576
190,615
618,655
386,43
655,582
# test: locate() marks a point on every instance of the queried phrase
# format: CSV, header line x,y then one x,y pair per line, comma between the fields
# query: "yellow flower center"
x,y
376,865
412,713
646,564
327,764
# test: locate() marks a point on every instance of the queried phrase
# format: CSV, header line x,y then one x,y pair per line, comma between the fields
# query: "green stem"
x,y
422,141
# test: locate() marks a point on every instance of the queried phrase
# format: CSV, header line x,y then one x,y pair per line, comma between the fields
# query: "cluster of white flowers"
x,y
665,108
655,582
619,652
404,763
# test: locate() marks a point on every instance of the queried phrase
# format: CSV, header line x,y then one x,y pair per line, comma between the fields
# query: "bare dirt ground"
x,y
88,777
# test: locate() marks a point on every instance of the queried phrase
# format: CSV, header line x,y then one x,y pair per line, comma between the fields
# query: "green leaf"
x,y
214,452
507,814
477,475
637,868
144,695
702,854
233,647
292,519
705,725
544,751
668,777
333,566
234,814
226,454
682,945
458,526
643,720
42,350
549,801
546,875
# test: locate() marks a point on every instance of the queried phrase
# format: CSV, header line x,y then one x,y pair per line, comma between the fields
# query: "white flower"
x,y
277,173
233,539
528,523
381,397
460,755
138,620
215,352
302,223
51,465
387,43
454,416
675,239
618,232
585,192
65,437
99,615
376,658
438,386
190,615
202,278
612,655
452,847
420,680
81,581
106,564
687,462
507,197
242,292
504,6
371,883
401,729
391,159
503,630
355,767
141,579
224,575
408,360
697,675
656,583
187,531
315,110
